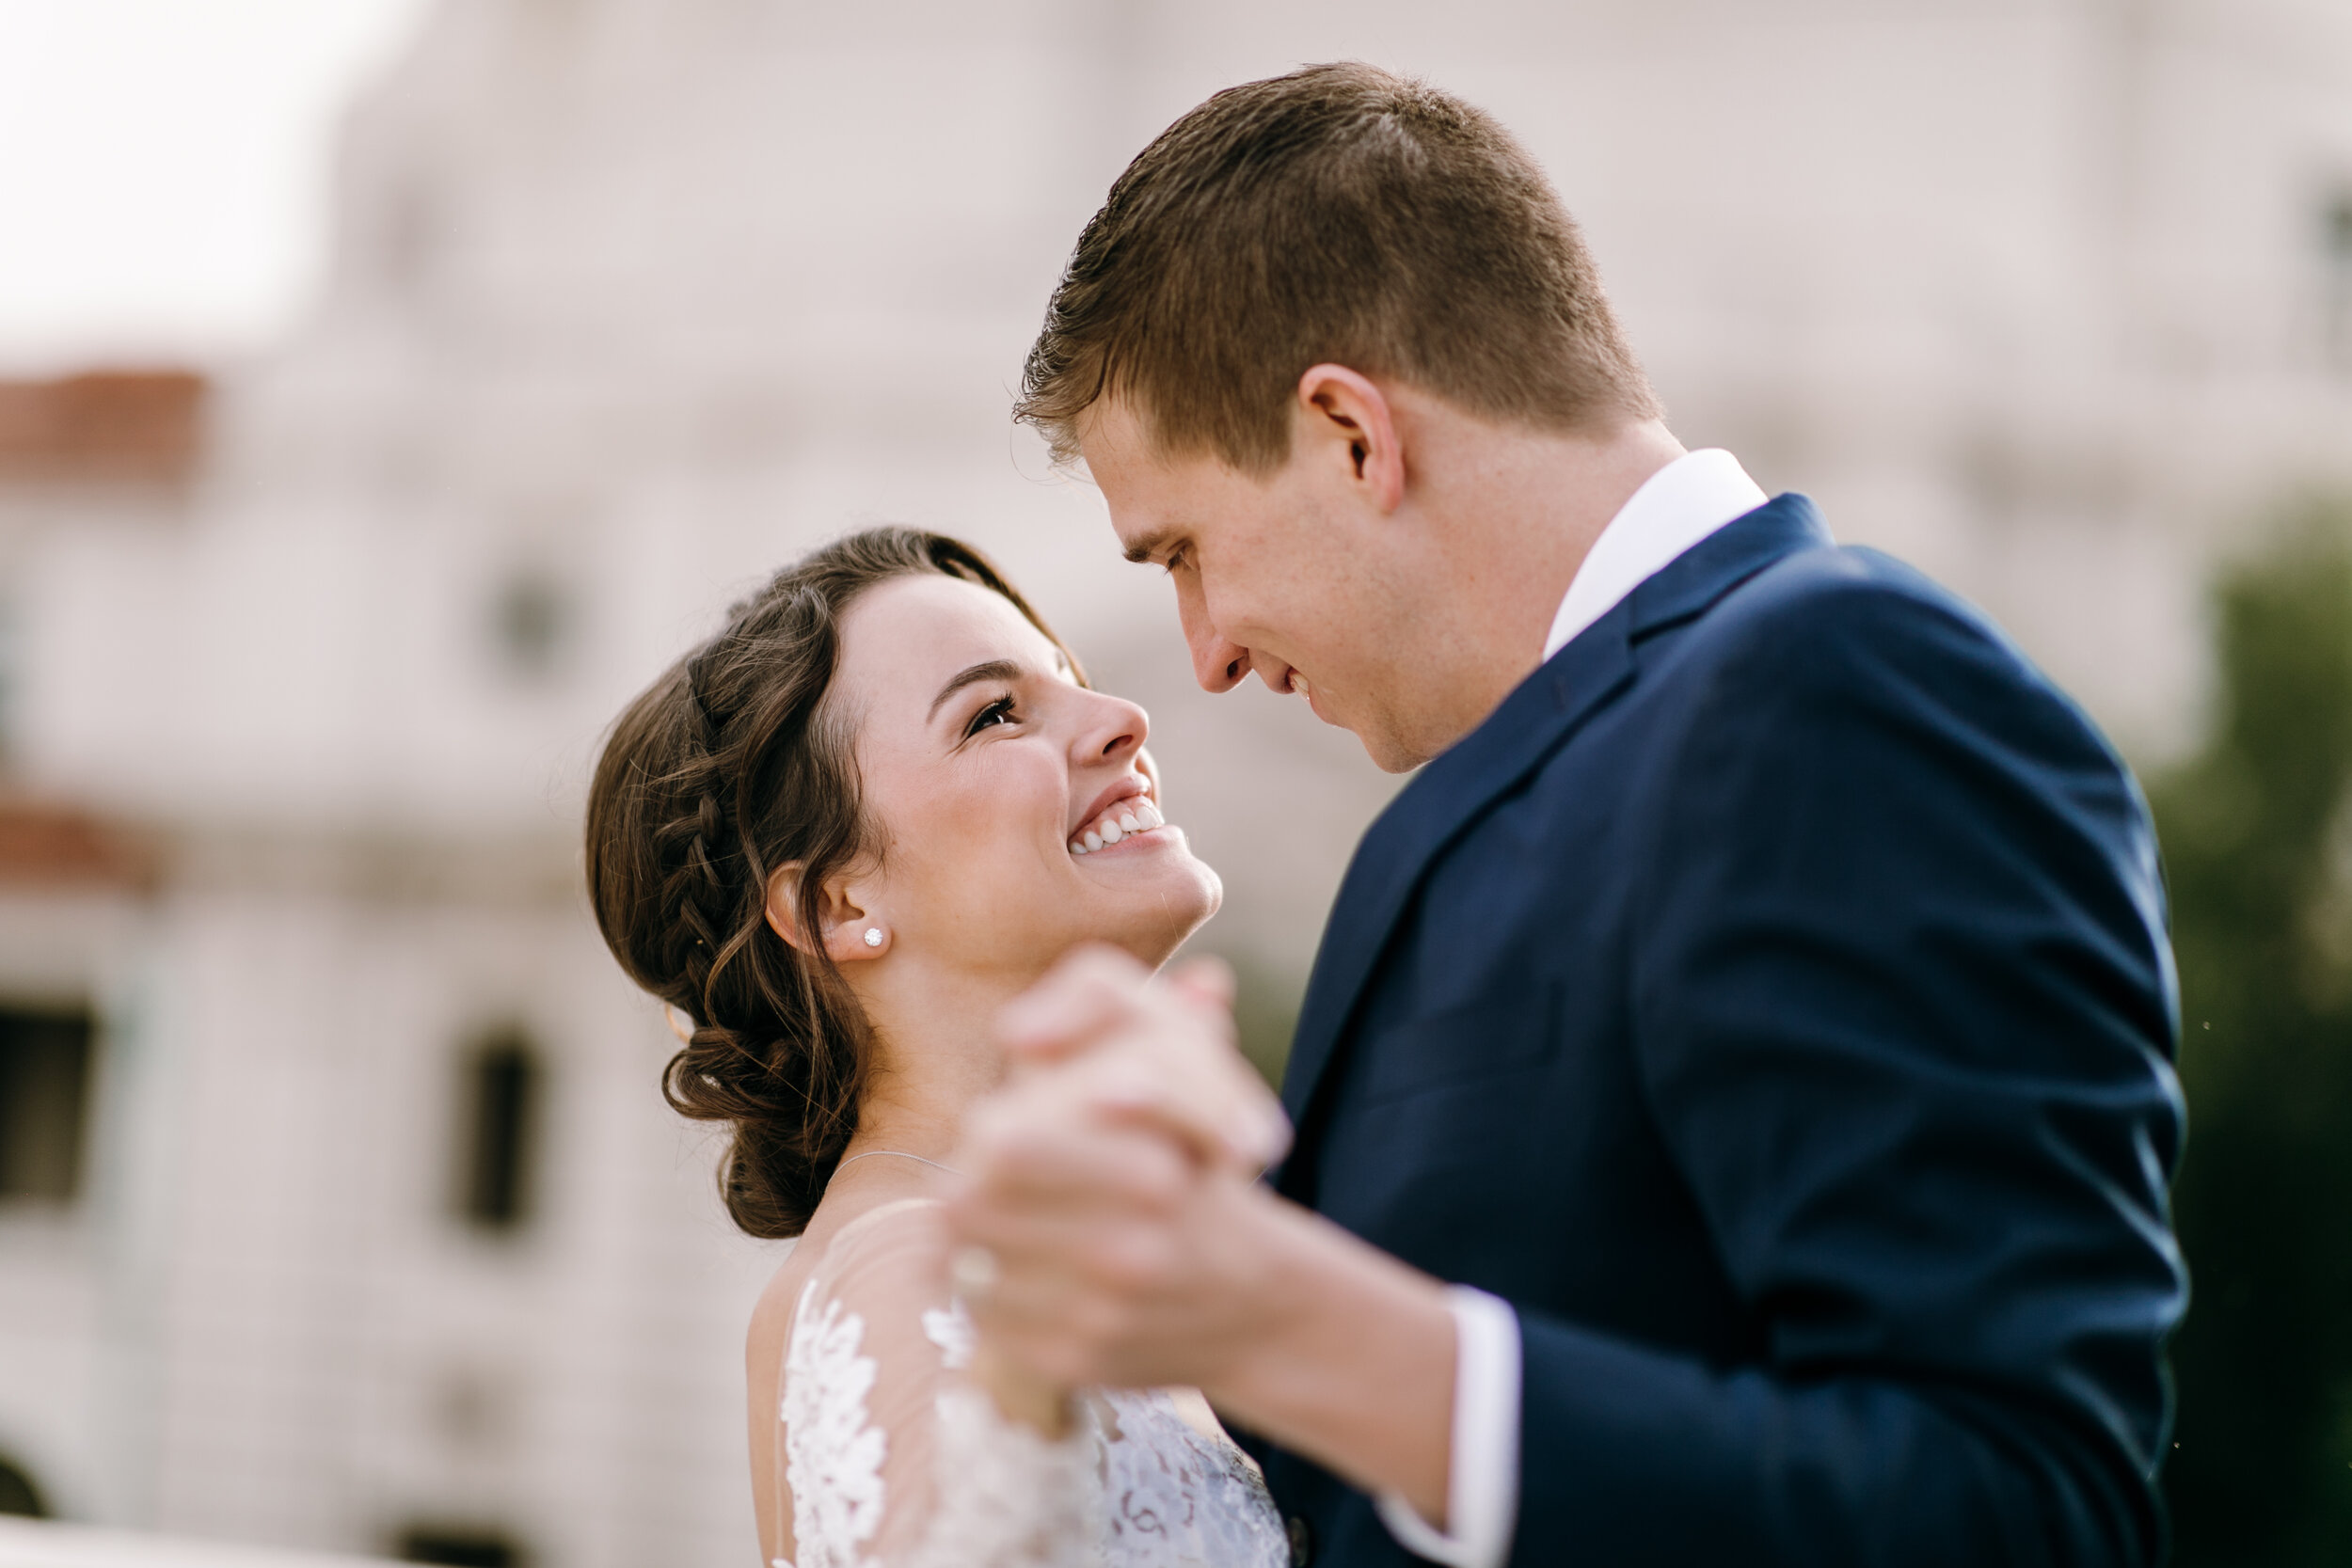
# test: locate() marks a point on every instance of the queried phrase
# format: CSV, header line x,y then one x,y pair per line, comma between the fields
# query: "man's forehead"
x,y
1118,449
1149,495
1109,431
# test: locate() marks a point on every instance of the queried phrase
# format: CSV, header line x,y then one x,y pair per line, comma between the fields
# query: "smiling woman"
x,y
837,838
885,761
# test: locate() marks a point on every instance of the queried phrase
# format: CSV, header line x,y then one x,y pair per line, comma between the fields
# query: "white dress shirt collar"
x,y
1680,505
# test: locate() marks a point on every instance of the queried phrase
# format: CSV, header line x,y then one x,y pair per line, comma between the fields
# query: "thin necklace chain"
x,y
901,1154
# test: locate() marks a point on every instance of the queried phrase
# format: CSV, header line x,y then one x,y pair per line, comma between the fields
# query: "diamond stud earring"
x,y
873,936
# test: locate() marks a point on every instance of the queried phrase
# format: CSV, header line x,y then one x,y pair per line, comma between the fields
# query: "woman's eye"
x,y
998,712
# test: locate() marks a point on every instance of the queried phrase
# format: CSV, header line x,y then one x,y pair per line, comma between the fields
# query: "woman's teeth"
x,y
1123,820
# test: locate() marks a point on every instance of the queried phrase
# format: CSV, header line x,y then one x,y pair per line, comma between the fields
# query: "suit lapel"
x,y
1488,763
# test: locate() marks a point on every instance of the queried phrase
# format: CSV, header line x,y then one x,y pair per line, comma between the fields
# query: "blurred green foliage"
x,y
2257,834
1266,1015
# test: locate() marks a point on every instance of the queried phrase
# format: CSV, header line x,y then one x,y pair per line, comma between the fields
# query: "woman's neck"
x,y
933,1057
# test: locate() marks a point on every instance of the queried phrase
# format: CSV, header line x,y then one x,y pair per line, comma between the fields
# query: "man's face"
x,y
1282,573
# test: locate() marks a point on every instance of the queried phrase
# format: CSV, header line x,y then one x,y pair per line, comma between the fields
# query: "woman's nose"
x,y
1116,729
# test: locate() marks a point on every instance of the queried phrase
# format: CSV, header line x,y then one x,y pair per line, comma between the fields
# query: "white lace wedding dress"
x,y
891,1458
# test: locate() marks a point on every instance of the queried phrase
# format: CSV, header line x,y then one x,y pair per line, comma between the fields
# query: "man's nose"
x,y
1216,664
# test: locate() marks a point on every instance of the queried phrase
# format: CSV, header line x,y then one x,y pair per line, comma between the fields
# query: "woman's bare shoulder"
x,y
898,1243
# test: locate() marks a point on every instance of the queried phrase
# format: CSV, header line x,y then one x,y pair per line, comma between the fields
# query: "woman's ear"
x,y
846,929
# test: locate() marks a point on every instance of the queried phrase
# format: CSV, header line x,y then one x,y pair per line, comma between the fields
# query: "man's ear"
x,y
846,930
1342,416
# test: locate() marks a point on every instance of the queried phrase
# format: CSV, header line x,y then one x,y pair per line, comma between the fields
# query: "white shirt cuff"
x,y
1483,1468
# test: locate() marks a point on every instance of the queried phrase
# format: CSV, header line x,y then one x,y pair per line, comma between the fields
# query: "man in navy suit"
x,y
1733,1102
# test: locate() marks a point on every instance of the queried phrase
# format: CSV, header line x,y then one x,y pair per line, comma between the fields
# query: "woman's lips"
x,y
1131,817
1126,789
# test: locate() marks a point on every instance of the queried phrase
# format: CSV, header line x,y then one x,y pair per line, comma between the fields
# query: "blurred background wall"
x,y
338,1208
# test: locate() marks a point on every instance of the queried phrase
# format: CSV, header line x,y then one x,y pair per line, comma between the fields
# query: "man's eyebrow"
x,y
1143,550
994,670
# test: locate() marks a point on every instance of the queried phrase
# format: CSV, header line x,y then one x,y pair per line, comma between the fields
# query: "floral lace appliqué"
x,y
1133,1484
832,1455
1136,1487
1175,1498
1009,1497
950,1328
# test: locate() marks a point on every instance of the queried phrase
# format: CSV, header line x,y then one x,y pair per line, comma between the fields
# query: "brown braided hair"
x,y
727,767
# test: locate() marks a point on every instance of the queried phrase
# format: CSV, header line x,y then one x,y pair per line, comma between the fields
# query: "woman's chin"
x,y
1159,913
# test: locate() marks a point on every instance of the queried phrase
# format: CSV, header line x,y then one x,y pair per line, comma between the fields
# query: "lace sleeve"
x,y
892,1458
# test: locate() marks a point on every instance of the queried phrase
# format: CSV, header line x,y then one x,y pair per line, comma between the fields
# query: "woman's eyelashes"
x,y
1001,711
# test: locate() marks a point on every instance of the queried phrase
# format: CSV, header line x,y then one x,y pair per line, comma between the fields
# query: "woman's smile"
x,y
975,739
1127,814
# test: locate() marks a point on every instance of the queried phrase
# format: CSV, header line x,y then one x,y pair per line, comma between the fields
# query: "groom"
x,y
1733,1101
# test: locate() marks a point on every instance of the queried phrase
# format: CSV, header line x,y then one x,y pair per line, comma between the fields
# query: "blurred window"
x,y
497,1127
464,1549
18,1494
44,1101
2336,242
11,673
532,624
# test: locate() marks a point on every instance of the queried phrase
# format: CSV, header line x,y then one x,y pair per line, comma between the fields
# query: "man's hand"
x,y
1156,1053
1117,1259
1109,1181
1115,1234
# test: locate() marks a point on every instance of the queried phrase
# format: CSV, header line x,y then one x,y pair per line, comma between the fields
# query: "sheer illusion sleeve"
x,y
891,1456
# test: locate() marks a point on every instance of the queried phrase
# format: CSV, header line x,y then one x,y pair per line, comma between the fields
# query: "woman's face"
x,y
1018,812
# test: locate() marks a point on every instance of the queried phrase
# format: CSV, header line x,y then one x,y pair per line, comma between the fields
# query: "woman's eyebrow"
x,y
994,670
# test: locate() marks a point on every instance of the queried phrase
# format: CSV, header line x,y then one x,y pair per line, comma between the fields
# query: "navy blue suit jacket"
x,y
1772,1002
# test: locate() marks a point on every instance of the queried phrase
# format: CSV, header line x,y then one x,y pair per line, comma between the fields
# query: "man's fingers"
x,y
1220,1114
1252,1140
1073,1233
1027,1152
1207,979
1200,1093
1094,989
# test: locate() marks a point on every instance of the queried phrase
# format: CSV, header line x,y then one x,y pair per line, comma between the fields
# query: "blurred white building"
x,y
372,1232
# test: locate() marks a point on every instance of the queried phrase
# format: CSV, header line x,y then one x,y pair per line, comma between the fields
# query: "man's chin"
x,y
1388,753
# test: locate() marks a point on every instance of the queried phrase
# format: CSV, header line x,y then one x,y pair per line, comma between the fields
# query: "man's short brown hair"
x,y
1339,214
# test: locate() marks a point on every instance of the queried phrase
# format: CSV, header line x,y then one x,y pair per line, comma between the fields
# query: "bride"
x,y
837,838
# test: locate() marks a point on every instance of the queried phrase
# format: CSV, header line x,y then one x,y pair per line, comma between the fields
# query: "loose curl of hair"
x,y
729,766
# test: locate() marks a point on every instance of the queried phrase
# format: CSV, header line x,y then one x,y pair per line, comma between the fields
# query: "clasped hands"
x,y
1113,1233
1110,1224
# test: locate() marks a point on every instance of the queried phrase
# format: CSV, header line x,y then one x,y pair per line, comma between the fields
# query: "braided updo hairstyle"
x,y
728,767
